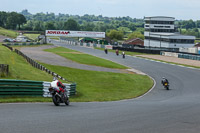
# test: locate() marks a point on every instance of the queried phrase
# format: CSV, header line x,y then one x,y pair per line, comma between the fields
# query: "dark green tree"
x,y
12,20
20,20
3,18
50,26
71,24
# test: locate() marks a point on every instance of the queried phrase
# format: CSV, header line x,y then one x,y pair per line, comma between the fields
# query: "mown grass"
x,y
84,58
32,36
91,85
24,99
19,68
35,45
104,86
8,33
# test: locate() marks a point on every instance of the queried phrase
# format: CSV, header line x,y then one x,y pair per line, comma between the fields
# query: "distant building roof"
x,y
132,40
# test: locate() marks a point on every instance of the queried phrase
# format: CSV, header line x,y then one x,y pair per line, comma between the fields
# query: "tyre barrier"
x,y
181,55
71,88
11,88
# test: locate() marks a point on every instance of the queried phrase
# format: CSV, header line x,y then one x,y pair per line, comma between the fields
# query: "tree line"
x,y
115,27
12,20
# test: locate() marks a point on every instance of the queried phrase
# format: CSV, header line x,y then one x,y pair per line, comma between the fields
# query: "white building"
x,y
161,32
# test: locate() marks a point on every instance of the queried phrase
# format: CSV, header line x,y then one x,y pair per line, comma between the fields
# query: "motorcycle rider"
x,y
164,80
58,85
117,52
106,50
123,54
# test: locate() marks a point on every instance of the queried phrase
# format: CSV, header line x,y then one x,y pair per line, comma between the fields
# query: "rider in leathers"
x,y
164,80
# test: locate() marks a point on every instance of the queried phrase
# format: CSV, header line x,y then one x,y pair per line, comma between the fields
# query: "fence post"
x,y
4,69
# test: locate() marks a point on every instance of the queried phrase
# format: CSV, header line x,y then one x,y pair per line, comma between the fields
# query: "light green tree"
x,y
114,34
136,35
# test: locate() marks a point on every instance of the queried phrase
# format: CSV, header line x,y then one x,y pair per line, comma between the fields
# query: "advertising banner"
x,y
75,33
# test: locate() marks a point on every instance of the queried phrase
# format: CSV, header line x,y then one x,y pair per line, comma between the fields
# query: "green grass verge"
x,y
19,68
104,86
84,58
91,85
32,36
8,33
35,45
24,99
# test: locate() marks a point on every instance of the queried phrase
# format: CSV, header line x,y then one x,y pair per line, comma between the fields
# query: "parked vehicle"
x,y
22,38
8,40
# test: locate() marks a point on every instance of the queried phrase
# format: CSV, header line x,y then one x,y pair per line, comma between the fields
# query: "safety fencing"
x,y
181,55
4,69
23,43
84,44
12,88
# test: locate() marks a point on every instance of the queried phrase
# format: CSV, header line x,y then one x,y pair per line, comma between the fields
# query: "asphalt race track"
x,y
159,111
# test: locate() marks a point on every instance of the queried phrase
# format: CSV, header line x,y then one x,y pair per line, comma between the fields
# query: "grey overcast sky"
x,y
180,9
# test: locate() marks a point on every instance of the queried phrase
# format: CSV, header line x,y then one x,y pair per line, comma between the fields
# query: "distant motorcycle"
x,y
166,85
59,97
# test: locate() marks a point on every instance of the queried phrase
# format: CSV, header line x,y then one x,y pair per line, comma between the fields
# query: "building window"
x,y
180,41
159,22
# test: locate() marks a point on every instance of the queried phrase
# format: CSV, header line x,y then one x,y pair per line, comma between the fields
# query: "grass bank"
x,y
19,68
32,36
104,86
91,85
84,58
8,33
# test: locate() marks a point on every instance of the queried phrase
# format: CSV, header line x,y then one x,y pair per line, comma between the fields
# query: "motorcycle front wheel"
x,y
67,101
167,88
56,100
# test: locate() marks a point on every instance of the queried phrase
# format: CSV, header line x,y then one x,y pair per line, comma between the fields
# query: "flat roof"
x,y
173,35
160,18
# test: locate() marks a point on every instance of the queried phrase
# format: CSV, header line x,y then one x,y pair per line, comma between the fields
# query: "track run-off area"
x,y
158,111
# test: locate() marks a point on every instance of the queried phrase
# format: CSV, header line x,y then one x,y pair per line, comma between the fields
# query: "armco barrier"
x,y
20,88
23,43
10,88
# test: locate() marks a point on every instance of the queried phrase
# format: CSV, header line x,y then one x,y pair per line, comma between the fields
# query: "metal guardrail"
x,y
10,88
23,43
